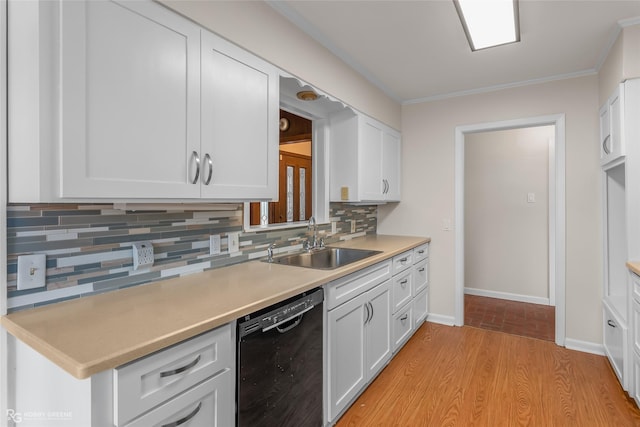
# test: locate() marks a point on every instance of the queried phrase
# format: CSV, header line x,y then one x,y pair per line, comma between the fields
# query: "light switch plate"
x,y
32,271
233,242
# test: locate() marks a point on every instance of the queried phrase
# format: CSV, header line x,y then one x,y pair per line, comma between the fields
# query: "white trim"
x,y
4,356
507,296
441,319
557,263
552,222
585,346
486,89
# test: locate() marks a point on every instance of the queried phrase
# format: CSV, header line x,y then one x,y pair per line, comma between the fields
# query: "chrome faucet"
x,y
314,242
270,252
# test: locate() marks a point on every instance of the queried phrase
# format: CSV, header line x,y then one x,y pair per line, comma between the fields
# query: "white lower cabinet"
x,y
615,343
359,338
635,333
190,383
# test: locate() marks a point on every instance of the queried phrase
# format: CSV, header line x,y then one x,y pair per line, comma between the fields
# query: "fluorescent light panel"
x,y
489,23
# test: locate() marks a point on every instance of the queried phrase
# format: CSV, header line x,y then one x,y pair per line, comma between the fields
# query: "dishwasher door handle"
x,y
282,331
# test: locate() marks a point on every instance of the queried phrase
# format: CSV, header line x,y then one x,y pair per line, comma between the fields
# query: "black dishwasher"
x,y
279,364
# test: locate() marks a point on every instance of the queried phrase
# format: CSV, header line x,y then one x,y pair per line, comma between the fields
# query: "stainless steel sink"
x,y
326,258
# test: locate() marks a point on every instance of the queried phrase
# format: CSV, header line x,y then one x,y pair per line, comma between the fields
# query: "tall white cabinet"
x,y
133,101
620,159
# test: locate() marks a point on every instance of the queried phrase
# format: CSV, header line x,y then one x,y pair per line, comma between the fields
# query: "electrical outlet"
x,y
142,254
214,244
233,242
334,227
32,270
353,225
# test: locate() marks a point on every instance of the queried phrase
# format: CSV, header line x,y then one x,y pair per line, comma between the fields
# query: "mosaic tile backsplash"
x,y
88,246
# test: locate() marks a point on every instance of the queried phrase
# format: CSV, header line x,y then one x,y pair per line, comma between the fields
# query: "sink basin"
x,y
325,258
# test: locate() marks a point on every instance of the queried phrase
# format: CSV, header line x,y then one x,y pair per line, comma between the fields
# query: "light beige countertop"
x,y
89,335
634,267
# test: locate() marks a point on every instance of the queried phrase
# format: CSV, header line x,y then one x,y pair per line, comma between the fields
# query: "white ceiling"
x,y
416,50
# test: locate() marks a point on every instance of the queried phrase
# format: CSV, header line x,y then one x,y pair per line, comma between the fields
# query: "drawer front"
x,y
421,252
636,378
342,290
420,276
420,308
402,327
147,382
208,404
402,285
614,343
635,319
635,283
402,262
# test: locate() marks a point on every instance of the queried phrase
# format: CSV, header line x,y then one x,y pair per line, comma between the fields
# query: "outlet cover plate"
x,y
142,254
214,244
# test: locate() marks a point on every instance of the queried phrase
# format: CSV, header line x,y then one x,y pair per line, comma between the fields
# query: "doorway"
x,y
556,216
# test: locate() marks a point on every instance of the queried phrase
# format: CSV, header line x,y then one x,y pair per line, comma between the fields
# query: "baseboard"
x,y
441,319
584,346
507,296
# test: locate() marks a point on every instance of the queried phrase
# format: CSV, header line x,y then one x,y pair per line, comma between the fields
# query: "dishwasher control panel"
x,y
280,313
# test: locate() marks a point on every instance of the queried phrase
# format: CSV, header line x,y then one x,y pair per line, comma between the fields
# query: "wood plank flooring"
x,y
463,376
512,317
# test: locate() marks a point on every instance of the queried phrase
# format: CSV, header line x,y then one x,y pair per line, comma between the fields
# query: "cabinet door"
x,y
239,123
391,158
370,183
346,353
130,100
378,329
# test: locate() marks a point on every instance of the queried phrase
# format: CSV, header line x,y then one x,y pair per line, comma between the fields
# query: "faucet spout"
x,y
311,225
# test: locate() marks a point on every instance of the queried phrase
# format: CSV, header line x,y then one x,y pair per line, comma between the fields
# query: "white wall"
x,y
506,236
255,26
428,187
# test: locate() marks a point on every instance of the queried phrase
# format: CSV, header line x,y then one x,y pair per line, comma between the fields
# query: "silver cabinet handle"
x,y
403,260
368,313
403,283
404,318
606,149
421,251
207,159
421,270
610,323
195,155
371,305
181,369
186,418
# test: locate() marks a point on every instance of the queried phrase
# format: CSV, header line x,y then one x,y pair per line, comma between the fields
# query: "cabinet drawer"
x,y
635,283
147,382
635,322
420,276
420,308
208,404
421,252
342,290
402,285
402,326
615,343
636,378
402,262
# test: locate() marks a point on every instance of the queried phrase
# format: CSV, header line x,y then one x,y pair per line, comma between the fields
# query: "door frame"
x,y
557,221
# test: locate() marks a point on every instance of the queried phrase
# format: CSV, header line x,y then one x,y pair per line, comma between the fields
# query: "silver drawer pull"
x,y
421,270
404,282
197,158
403,260
421,251
404,318
185,419
181,369
610,323
605,148
207,160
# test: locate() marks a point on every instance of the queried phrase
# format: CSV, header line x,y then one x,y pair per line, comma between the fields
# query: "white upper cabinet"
x,y
145,105
612,140
365,159
240,115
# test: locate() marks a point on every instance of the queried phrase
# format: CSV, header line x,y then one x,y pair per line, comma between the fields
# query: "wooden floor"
x,y
464,376
512,317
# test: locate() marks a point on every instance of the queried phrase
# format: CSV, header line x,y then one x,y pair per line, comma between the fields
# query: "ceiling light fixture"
x,y
307,95
489,23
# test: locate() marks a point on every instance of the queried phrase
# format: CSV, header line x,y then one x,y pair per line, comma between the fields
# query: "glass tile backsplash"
x,y
88,246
